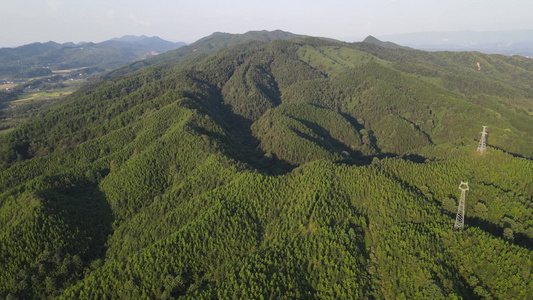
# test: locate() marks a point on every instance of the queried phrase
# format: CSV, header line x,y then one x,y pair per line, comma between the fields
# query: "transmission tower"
x,y
460,219
482,148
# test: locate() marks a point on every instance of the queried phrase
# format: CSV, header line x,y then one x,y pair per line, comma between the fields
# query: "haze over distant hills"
x,y
518,42
105,55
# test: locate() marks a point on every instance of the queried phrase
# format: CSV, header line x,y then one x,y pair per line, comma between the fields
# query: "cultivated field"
x,y
4,86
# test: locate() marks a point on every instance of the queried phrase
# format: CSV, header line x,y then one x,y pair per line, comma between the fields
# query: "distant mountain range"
x,y
517,42
105,55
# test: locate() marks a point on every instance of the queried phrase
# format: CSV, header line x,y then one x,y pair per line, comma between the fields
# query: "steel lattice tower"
x,y
460,219
482,148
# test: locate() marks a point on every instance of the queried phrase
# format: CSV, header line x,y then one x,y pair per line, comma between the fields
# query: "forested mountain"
x,y
19,61
199,49
372,40
281,169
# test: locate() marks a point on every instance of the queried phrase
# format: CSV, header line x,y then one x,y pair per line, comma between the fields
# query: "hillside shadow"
x,y
368,160
85,209
495,230
415,158
417,128
519,239
511,153
460,284
328,142
242,144
245,147
352,121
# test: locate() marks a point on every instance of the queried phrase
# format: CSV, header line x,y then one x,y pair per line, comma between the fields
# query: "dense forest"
x,y
276,169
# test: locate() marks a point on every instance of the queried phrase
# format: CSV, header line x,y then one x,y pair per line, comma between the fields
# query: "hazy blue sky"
x,y
26,21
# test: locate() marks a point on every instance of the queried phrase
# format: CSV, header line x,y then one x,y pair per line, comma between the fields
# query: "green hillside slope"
x,y
280,169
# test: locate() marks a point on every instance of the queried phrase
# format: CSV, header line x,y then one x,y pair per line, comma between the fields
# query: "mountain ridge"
x,y
203,46
106,55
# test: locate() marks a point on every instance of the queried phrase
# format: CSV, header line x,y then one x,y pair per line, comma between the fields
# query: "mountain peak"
x,y
372,40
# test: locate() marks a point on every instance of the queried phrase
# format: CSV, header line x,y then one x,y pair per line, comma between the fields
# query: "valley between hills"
x,y
269,165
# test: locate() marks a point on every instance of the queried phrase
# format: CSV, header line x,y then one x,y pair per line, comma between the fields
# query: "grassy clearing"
x,y
10,123
8,128
67,71
42,96
8,85
335,60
